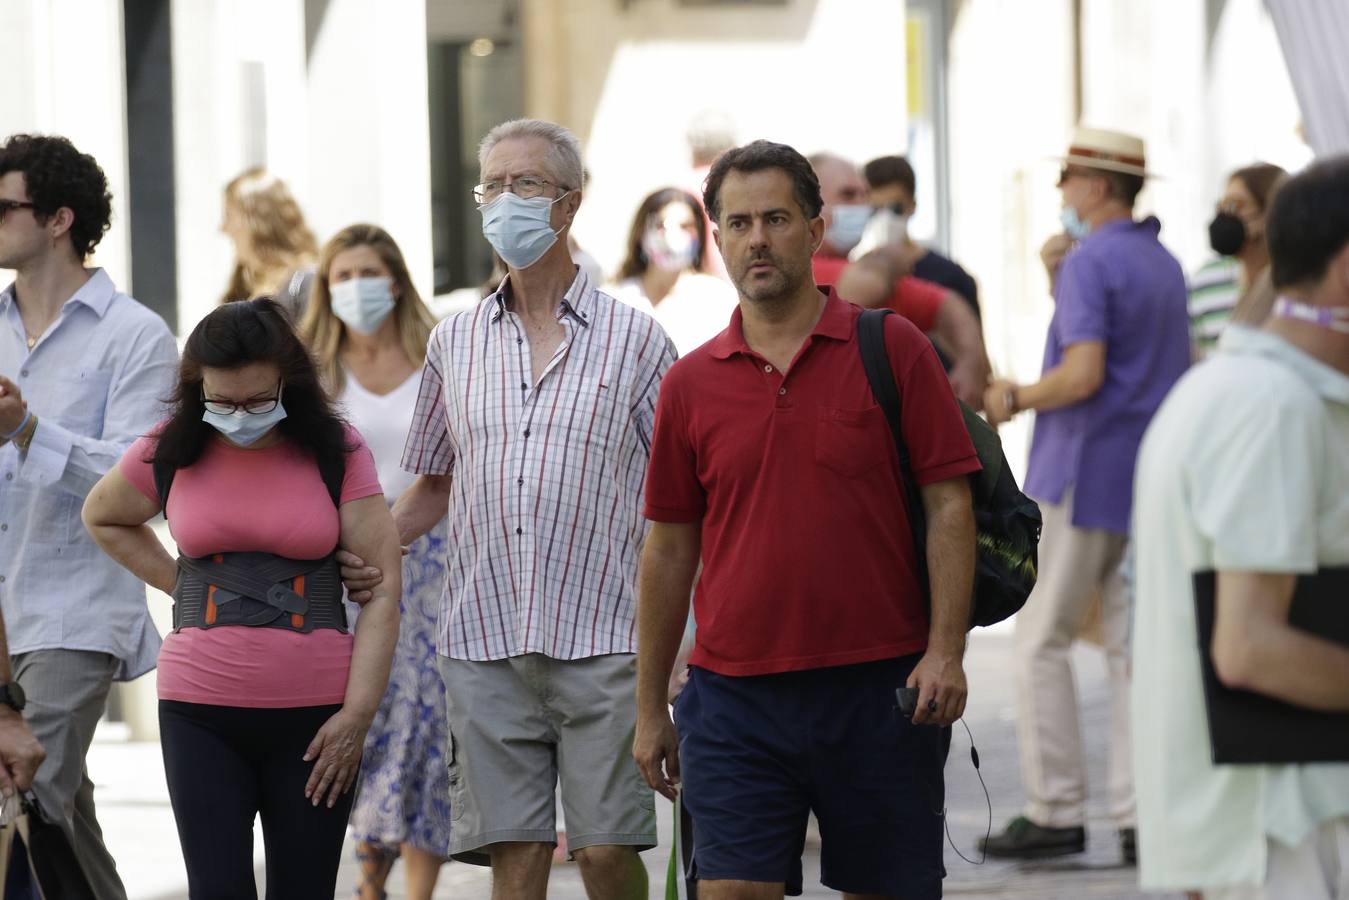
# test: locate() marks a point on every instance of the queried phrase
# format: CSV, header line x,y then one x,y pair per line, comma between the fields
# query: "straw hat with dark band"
x,y
1112,151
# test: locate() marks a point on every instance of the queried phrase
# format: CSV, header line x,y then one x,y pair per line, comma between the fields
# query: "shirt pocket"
x,y
851,442
78,400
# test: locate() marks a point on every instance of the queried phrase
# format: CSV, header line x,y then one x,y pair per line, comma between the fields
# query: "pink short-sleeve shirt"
x,y
241,499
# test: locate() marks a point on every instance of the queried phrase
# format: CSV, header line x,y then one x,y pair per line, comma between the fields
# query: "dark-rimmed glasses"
x,y
252,407
526,187
7,205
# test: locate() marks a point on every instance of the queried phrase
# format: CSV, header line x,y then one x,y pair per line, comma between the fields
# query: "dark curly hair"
x,y
58,175
756,157
234,335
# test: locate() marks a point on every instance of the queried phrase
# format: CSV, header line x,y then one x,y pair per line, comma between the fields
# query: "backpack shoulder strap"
x,y
876,363
333,473
881,377
163,473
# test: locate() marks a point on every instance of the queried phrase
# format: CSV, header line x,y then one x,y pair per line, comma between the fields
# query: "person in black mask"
x,y
1237,235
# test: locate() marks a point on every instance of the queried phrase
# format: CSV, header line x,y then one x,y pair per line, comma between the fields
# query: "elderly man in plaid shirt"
x,y
533,426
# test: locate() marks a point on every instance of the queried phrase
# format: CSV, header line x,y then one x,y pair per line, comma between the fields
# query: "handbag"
x,y
40,863
1245,727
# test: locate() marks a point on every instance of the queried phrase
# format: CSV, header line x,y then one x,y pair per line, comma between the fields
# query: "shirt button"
x,y
781,391
519,531
9,476
768,368
526,432
4,527
523,386
2,579
23,373
520,480
519,340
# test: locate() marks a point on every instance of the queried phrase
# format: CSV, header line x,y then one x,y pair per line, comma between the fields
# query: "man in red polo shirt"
x,y
883,278
772,464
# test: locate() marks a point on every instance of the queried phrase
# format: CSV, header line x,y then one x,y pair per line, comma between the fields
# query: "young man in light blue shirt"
x,y
83,369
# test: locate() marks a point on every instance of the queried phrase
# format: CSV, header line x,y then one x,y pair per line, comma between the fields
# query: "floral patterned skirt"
x,y
404,791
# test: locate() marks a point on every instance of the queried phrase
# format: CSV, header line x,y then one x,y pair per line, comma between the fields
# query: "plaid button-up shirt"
x,y
546,508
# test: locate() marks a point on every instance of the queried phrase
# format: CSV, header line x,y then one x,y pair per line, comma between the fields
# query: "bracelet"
x,y
24,440
1010,400
27,417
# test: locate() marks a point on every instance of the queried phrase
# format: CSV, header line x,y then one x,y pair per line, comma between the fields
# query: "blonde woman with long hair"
x,y
274,250
367,329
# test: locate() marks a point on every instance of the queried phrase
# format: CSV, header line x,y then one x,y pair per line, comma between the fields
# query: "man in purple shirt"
x,y
1118,341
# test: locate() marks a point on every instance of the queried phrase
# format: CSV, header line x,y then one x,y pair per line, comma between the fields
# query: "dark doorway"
x,y
149,113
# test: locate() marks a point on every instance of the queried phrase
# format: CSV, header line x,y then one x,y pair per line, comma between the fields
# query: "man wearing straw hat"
x,y
1117,342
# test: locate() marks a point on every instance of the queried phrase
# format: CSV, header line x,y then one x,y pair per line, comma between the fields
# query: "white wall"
x,y
816,74
369,135
69,81
347,131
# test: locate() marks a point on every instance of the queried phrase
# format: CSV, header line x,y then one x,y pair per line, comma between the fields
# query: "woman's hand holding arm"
x,y
367,530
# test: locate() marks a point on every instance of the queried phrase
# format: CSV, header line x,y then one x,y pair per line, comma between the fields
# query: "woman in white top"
x,y
661,276
367,328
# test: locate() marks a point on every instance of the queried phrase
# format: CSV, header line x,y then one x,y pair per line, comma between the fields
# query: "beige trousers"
x,y
1075,565
1316,869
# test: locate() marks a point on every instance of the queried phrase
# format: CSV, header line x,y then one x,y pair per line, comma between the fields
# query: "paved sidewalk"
x,y
133,806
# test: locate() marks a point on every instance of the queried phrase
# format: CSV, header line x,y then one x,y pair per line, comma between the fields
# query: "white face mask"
x,y
363,303
520,231
846,224
245,428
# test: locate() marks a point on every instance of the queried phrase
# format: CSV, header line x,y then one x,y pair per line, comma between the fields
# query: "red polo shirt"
x,y
914,299
808,560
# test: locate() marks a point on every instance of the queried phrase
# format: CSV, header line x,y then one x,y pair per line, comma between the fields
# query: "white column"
x,y
369,140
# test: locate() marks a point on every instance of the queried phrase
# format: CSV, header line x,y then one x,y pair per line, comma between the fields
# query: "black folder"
x,y
1246,727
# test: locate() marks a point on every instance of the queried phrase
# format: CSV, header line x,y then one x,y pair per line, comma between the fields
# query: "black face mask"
x,y
1226,234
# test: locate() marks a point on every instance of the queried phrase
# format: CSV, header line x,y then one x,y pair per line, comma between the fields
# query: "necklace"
x,y
32,342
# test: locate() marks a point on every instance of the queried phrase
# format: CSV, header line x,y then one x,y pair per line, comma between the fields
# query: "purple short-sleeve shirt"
x,y
1122,287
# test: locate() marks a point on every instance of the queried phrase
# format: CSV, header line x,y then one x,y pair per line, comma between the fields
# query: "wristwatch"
x,y
12,695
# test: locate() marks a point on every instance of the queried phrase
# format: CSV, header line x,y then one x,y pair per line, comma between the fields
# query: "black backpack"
x,y
1007,521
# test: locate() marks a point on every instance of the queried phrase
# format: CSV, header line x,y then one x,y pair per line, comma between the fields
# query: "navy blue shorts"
x,y
757,754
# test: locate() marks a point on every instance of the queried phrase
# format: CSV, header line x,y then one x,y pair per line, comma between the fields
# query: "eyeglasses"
x,y
527,187
7,205
252,407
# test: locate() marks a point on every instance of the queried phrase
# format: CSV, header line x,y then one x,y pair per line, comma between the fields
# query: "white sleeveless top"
x,y
384,420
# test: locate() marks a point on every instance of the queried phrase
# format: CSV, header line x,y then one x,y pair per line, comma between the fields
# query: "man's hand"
x,y
998,401
967,381
899,257
1053,251
12,406
940,679
656,749
360,580
20,753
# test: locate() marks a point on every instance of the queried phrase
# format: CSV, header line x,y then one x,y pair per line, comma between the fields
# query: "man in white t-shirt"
x,y
1245,470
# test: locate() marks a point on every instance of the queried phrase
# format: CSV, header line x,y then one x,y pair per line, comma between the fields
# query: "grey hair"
x,y
564,150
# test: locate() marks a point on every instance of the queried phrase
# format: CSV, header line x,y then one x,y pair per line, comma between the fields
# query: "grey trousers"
x,y
67,690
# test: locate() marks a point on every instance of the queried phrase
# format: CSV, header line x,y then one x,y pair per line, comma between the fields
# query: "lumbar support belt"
x,y
260,590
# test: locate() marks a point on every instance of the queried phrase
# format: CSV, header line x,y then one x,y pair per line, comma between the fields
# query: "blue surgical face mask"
x,y
363,303
244,428
846,226
1073,224
520,231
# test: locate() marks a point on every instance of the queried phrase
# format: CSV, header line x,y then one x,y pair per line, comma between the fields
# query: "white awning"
x,y
1314,35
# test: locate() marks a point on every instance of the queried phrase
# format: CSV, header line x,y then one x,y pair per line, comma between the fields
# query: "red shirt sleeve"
x,y
360,478
934,427
918,301
673,491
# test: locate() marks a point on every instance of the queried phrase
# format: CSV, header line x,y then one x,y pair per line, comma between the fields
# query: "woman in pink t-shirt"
x,y
257,718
